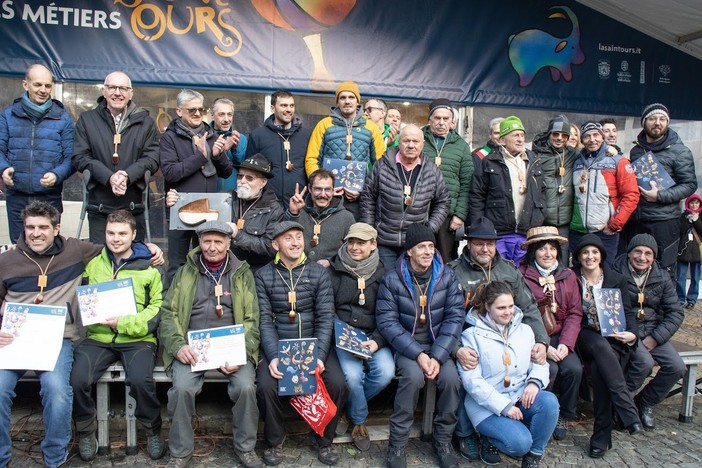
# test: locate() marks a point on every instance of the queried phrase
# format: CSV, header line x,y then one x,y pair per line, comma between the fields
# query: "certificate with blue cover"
x,y
217,347
350,338
297,358
100,301
350,175
648,169
610,310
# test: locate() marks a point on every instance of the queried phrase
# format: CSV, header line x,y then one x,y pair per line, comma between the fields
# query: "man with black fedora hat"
x,y
480,262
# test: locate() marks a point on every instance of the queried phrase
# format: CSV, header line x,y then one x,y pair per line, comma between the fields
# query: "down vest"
x,y
664,314
559,206
33,149
491,194
456,166
314,305
678,162
382,200
396,310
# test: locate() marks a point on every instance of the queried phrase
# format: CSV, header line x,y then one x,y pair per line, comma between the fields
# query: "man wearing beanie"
x,y
345,135
419,311
452,155
508,188
659,315
658,211
557,160
605,191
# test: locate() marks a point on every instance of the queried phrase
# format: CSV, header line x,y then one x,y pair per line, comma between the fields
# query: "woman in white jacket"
x,y
505,396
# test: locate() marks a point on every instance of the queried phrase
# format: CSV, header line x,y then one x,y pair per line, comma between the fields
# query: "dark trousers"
x,y
98,223
608,385
15,203
270,405
670,371
446,241
667,235
609,243
565,377
179,244
91,360
411,382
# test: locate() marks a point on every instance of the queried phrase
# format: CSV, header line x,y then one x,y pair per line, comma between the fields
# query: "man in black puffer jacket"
x,y
658,210
296,301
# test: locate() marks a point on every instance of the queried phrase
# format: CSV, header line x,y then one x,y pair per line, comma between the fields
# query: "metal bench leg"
x,y
688,394
428,413
130,406
103,417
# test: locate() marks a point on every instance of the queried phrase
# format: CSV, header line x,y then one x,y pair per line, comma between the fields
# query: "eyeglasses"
x,y
370,109
122,89
323,190
248,177
193,110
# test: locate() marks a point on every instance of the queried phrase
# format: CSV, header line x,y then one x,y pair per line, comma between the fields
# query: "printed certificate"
x,y
38,336
100,301
215,347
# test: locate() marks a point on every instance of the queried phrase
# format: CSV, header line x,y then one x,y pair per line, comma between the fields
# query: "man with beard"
x,y
283,141
234,147
191,161
658,210
346,134
116,141
325,220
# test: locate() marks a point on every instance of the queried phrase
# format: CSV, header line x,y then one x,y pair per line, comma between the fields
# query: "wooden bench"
x,y
692,357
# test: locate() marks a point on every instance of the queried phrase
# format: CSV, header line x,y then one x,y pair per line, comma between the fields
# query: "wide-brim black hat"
x,y
258,163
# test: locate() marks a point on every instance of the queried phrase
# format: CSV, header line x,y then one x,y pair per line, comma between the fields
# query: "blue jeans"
x,y
681,277
517,438
56,397
365,378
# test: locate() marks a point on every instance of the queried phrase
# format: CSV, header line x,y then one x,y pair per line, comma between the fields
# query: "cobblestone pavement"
x,y
671,444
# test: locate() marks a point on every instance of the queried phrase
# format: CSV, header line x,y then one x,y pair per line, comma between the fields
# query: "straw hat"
x,y
542,233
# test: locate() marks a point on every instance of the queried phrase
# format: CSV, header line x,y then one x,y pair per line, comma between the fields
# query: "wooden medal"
x,y
561,171
219,311
507,359
317,229
42,281
361,283
315,240
240,223
219,291
289,166
437,161
39,299
641,298
292,298
286,145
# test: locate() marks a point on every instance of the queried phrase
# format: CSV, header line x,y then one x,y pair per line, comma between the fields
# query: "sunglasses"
x,y
194,110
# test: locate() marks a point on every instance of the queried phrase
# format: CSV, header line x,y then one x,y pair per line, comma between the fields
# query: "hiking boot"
x,y
530,460
561,430
397,458
87,447
155,446
342,426
249,459
447,457
360,437
273,456
327,455
176,462
469,447
489,453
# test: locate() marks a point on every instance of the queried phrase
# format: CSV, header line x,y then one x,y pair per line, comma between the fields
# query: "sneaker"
x,y
447,457
87,447
342,426
561,430
469,447
360,437
397,458
530,460
690,305
249,459
155,446
273,456
176,462
327,455
489,453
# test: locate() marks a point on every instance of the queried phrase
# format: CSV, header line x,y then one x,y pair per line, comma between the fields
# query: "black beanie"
x,y
418,233
439,104
559,124
645,240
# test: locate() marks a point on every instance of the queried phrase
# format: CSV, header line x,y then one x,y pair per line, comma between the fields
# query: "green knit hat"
x,y
511,124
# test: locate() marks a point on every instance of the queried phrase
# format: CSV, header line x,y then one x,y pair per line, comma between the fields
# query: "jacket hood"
x,y
295,125
671,138
359,121
621,265
55,249
54,112
140,259
694,196
336,204
473,318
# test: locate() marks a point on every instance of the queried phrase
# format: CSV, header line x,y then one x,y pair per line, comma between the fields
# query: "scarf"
x,y
207,169
35,111
363,268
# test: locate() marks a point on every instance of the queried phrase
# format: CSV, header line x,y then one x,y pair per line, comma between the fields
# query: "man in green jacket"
x,y
128,338
213,289
452,155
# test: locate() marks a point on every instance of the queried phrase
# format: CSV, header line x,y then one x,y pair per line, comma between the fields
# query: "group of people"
x,y
503,327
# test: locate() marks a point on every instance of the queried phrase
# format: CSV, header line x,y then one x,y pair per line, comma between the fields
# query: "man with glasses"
x,y
36,145
191,161
322,215
376,111
116,141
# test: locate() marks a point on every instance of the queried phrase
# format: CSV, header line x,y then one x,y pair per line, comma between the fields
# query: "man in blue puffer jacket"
x,y
36,145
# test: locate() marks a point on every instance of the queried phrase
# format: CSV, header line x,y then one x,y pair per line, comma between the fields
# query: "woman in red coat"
x,y
556,290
